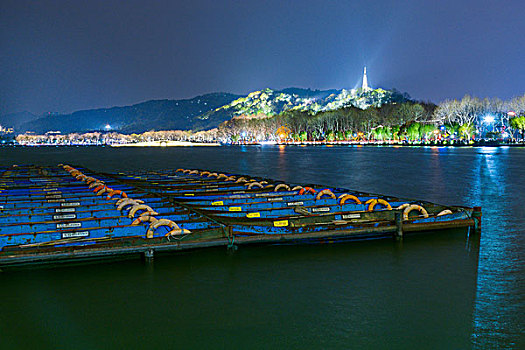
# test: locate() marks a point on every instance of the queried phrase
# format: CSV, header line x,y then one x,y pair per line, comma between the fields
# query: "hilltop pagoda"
x,y
365,86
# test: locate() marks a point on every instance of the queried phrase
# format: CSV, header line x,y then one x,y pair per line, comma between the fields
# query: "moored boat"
x,y
63,213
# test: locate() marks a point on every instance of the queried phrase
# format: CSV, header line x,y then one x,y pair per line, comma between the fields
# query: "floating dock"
x,y
66,213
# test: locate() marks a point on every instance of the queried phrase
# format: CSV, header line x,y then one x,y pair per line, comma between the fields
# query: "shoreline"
x,y
297,144
166,144
384,144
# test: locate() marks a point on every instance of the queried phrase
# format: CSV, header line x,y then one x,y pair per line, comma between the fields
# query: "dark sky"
x,y
63,56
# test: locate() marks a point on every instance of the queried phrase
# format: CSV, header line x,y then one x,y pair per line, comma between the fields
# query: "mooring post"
x,y
399,225
148,254
231,239
231,244
476,215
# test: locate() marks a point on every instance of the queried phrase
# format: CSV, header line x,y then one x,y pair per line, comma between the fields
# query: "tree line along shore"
x,y
467,120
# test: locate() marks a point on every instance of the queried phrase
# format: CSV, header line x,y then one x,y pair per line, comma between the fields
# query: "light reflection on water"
x,y
498,316
428,290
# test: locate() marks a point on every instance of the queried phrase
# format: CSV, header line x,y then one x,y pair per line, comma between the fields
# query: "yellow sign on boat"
x,y
253,215
189,194
280,223
217,203
235,209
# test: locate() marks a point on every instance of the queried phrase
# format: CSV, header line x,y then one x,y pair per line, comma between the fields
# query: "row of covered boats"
x,y
65,212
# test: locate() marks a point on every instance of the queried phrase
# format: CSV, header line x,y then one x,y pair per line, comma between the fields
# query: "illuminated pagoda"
x,y
365,86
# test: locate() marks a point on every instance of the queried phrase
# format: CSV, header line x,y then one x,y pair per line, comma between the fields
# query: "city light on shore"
x,y
489,119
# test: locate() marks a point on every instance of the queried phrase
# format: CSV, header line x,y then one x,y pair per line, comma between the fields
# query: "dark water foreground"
x,y
443,291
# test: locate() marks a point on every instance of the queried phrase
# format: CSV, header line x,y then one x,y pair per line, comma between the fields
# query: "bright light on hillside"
x,y
488,119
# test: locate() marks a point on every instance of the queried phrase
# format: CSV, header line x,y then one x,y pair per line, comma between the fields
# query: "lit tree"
x,y
518,123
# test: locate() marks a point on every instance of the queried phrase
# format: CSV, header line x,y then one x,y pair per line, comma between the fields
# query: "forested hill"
x,y
150,115
208,111
270,102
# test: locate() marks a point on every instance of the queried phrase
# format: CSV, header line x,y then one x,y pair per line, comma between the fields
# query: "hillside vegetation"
x,y
207,111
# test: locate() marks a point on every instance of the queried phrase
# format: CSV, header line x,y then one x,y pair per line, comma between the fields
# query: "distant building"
x,y
6,130
6,135
365,86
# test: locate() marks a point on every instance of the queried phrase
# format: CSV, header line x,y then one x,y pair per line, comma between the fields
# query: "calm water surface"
x,y
442,291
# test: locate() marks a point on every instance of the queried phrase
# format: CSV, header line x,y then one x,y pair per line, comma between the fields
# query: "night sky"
x,y
63,56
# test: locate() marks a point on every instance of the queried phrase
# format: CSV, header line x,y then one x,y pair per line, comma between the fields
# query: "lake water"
x,y
441,291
